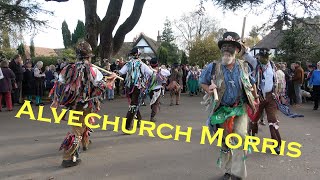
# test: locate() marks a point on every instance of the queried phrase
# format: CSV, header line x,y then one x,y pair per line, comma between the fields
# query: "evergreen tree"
x,y
168,44
167,34
173,52
163,55
32,49
184,58
66,35
79,32
298,44
21,51
5,40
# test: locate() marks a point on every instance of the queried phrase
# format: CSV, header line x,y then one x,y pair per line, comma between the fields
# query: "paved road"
x,y
29,149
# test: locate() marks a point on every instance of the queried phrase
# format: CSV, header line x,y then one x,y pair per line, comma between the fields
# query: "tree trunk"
x,y
109,46
127,26
107,26
92,22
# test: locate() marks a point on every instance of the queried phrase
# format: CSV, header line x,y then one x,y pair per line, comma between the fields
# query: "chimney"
x,y
158,37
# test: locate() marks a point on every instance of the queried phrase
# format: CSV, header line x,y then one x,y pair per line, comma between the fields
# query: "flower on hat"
x,y
229,38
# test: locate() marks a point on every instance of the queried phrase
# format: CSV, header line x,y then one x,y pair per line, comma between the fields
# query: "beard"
x,y
227,58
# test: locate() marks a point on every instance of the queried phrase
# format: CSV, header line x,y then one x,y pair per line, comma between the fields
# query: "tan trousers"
x,y
234,161
80,133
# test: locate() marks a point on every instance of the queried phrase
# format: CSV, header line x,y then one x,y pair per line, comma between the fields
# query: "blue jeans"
x,y
297,90
110,94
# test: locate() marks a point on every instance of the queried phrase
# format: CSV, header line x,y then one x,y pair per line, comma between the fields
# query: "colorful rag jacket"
x,y
157,79
79,83
134,76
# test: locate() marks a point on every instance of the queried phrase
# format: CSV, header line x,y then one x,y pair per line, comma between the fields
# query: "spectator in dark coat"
x,y
6,84
28,81
49,80
115,67
184,77
16,66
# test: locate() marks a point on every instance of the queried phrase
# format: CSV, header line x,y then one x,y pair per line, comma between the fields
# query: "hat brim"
x,y
237,44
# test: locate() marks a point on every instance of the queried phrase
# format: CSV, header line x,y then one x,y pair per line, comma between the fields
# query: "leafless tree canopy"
x,y
194,25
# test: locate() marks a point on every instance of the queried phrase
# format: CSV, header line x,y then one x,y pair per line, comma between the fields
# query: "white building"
x,y
147,46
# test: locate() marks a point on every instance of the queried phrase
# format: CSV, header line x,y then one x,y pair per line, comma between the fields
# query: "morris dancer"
x,y
175,85
79,88
135,83
267,89
235,91
156,87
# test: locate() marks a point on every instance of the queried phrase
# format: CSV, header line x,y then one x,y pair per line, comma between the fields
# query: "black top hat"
x,y
154,62
231,38
135,51
264,52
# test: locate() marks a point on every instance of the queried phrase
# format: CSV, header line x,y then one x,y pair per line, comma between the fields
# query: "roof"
x,y
271,41
59,51
152,43
124,50
40,51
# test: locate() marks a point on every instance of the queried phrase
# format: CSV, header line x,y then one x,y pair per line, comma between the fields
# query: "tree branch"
x,y
128,25
92,22
108,24
112,16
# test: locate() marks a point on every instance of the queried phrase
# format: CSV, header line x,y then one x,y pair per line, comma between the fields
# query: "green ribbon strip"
x,y
224,112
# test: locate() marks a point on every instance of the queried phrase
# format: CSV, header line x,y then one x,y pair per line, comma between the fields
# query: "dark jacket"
x,y
28,82
17,69
6,82
48,81
114,67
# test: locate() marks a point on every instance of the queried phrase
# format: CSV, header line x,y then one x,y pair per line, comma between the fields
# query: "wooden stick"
x,y
107,72
215,93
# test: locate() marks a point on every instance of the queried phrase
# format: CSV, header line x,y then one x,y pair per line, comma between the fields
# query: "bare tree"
x,y
103,28
194,25
109,44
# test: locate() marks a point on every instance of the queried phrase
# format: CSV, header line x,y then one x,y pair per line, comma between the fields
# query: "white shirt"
x,y
145,69
37,73
165,73
268,75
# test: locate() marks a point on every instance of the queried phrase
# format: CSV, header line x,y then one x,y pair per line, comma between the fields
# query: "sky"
x,y
152,19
